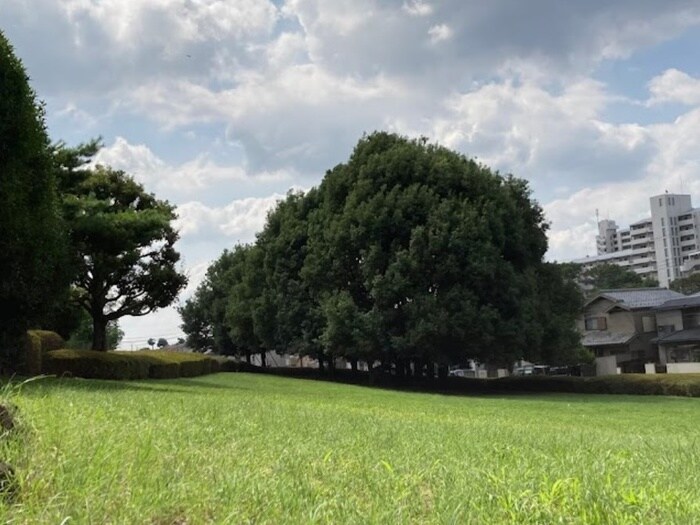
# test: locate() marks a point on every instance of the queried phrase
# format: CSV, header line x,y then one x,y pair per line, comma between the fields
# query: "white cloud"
x,y
674,166
553,140
674,86
238,221
417,8
196,174
438,33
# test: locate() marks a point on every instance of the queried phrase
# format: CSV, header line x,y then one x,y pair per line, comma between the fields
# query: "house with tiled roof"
x,y
678,328
620,327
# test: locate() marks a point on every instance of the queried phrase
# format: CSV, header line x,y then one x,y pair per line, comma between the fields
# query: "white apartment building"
x,y
664,246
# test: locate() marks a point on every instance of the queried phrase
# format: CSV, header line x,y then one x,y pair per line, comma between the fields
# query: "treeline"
x,y
409,254
80,245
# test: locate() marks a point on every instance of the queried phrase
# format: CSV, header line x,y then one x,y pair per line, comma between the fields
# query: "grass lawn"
x,y
238,448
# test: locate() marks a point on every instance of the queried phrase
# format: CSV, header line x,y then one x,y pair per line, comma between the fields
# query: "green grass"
x,y
238,448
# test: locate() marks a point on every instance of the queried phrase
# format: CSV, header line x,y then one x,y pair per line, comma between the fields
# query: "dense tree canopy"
x,y
33,270
687,285
611,276
408,254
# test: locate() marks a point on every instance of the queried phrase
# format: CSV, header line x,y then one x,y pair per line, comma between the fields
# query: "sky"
x,y
222,106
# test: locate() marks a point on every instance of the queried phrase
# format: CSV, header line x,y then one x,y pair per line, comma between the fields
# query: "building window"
x,y
596,323
665,329
660,202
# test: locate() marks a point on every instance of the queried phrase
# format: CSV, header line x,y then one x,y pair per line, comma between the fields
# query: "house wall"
x,y
670,317
622,321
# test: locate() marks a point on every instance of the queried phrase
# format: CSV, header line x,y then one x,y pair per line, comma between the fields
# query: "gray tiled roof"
x,y
682,336
687,301
606,338
640,297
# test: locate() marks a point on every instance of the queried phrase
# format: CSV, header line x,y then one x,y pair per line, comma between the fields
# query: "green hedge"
x,y
49,340
31,358
128,365
95,365
633,384
35,344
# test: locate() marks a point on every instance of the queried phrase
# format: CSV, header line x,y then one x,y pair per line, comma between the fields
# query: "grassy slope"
x,y
237,448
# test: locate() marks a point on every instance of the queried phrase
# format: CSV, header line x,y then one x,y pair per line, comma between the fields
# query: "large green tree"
x,y
408,254
33,271
123,242
687,285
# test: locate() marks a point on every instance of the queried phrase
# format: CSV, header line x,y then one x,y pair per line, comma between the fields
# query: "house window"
x,y
596,323
665,329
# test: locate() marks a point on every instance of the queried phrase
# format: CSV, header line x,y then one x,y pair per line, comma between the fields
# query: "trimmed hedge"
x,y
687,385
31,348
35,344
128,365
49,340
95,365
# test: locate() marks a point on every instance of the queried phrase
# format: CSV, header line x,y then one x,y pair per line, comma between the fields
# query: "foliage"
x,y
611,276
127,365
92,364
687,285
49,340
393,457
123,242
162,341
31,360
33,263
81,338
407,254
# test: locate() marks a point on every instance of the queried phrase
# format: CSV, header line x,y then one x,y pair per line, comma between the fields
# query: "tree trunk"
x,y
263,359
320,362
99,333
247,356
353,365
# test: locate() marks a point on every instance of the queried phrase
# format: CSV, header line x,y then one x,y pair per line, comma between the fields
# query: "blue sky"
x,y
222,106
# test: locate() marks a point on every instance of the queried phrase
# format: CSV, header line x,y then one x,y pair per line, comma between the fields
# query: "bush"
x,y
49,340
34,345
31,362
631,384
189,365
155,364
95,365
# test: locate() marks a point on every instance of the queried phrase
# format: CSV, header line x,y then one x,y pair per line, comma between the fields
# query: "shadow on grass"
x,y
653,387
539,387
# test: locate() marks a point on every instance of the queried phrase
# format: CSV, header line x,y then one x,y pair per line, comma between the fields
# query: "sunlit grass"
x,y
238,448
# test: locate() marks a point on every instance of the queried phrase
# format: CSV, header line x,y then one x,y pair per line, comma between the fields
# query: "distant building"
x,y
663,247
